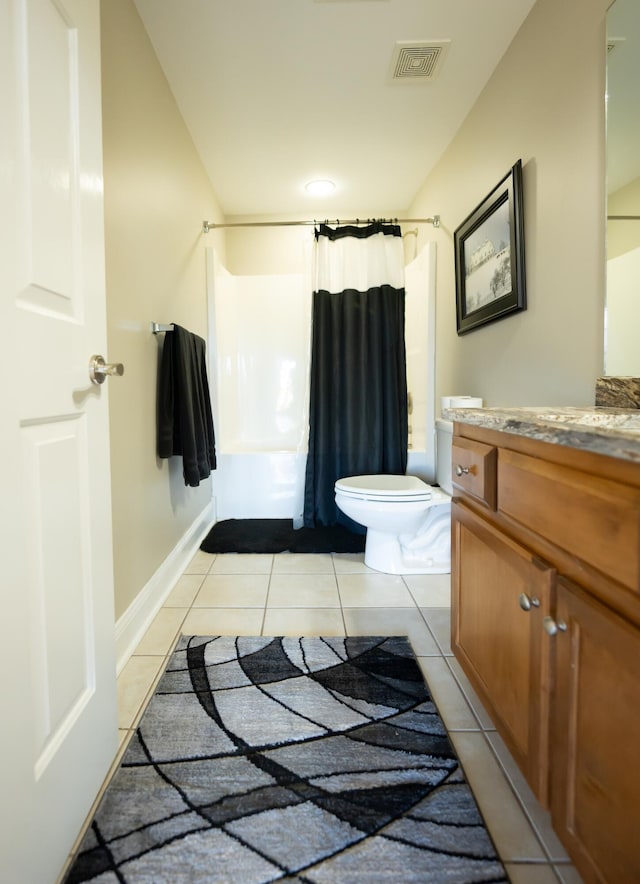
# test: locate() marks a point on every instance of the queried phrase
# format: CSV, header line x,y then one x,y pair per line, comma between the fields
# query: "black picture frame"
x,y
489,257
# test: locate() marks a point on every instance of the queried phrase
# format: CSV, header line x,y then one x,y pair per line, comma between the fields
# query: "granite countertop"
x,y
611,431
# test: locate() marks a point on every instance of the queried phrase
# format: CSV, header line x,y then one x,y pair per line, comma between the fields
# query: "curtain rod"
x,y
623,217
210,225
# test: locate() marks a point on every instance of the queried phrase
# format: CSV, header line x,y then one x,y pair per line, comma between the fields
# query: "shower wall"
x,y
420,343
259,351
260,347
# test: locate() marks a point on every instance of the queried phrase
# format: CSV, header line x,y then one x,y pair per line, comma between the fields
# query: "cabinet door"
x,y
596,738
500,595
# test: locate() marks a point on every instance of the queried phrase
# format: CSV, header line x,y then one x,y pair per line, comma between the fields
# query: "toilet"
x,y
408,522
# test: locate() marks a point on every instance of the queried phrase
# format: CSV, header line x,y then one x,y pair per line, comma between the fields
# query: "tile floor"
x,y
331,594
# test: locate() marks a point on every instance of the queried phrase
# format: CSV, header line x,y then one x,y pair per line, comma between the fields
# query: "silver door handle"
x,y
99,369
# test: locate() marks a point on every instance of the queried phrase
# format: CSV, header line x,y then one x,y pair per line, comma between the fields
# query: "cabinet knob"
x,y
526,602
461,471
552,627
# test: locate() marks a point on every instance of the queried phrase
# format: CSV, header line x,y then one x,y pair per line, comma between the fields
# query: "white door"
x,y
58,723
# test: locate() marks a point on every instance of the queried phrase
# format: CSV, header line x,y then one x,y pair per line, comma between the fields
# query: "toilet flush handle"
x,y
99,369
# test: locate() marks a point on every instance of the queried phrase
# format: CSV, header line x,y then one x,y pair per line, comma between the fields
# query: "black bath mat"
x,y
279,535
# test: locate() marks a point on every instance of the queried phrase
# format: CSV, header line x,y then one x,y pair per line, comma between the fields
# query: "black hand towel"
x,y
185,421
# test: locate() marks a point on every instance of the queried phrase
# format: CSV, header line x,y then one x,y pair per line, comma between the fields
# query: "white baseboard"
x,y
136,619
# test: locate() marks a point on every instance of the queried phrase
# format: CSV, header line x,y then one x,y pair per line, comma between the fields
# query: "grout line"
x,y
344,622
461,686
519,799
523,804
266,598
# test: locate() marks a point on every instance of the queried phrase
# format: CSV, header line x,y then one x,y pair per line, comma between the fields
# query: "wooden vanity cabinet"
x,y
501,594
546,625
596,738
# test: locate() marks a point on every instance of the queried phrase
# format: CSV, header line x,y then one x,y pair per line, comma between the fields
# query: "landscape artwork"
x,y
489,255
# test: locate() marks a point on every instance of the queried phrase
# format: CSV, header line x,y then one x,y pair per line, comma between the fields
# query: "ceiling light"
x,y
320,187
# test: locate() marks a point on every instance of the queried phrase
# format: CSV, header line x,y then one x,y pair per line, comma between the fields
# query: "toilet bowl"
x,y
408,522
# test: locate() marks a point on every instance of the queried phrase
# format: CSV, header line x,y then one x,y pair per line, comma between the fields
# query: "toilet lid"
x,y
384,487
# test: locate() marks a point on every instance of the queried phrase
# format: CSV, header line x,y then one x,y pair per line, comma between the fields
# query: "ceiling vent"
x,y
418,60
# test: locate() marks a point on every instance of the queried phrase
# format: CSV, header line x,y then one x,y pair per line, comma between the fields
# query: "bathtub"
x,y
270,484
258,484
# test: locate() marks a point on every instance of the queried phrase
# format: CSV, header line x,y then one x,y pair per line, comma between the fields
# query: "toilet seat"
x,y
384,488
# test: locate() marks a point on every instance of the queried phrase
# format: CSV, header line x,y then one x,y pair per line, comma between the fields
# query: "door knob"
x,y
462,471
99,369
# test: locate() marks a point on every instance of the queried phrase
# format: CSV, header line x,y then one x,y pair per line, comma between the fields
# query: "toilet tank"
x,y
444,442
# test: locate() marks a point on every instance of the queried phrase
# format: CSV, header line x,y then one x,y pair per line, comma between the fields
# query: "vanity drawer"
x,y
595,519
473,469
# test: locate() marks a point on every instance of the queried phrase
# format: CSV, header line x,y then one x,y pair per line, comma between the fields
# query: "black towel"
x,y
185,421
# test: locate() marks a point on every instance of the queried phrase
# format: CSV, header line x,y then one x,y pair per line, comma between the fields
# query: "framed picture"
x,y
489,255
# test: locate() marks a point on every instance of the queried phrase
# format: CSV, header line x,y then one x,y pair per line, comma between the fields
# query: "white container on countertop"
x,y
460,402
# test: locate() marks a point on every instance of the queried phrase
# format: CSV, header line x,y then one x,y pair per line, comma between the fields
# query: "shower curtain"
x,y
358,388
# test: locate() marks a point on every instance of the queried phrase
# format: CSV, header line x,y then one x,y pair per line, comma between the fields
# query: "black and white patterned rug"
x,y
289,759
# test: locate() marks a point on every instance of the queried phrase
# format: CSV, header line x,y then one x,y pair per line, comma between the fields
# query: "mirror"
x,y
622,311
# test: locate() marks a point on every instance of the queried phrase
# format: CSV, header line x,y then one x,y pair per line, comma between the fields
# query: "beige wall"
x,y
545,105
266,251
156,196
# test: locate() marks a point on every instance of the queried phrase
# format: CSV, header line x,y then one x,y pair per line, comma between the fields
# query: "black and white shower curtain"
x,y
358,388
